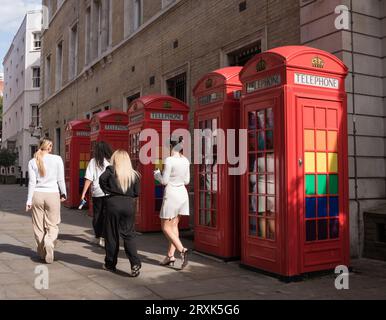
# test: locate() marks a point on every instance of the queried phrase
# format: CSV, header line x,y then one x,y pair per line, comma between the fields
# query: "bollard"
x,y
26,179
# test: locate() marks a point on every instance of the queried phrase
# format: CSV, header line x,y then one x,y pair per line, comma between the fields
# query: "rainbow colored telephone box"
x,y
294,197
148,112
77,156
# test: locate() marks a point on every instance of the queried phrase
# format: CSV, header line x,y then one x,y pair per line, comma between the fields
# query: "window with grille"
x,y
241,56
37,43
36,77
35,115
176,87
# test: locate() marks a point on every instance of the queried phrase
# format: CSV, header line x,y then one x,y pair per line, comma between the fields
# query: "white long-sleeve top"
x,y
53,181
176,172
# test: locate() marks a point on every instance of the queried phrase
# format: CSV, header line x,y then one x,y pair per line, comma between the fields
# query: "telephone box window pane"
x,y
207,201
202,182
322,229
252,183
208,218
261,141
333,184
334,228
269,140
333,162
320,118
202,200
321,162
334,207
214,201
332,119
310,162
252,120
321,140
309,140
271,229
158,204
260,119
261,163
269,118
262,228
322,207
310,184
202,217
332,141
310,208
311,230
252,141
270,205
252,204
270,162
308,117
261,206
270,184
252,163
252,226
261,184
322,184
214,182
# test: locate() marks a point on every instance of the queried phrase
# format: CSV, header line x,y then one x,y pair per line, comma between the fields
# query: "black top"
x,y
109,185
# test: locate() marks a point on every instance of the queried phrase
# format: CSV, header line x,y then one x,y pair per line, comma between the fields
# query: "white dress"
x,y
175,176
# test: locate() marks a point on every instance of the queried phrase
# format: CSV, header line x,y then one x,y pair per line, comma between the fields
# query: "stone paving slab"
x,y
77,271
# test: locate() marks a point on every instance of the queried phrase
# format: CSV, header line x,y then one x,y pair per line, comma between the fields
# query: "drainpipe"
x,y
359,219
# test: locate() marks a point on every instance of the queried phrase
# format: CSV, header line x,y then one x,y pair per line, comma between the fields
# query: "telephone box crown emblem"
x,y
167,105
209,83
318,63
261,65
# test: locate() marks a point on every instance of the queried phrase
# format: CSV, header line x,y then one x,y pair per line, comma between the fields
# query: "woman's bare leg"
x,y
168,229
172,248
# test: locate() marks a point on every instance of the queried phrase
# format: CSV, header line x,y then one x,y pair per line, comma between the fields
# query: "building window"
x,y
37,43
241,56
88,35
131,98
176,87
137,14
96,15
35,119
59,66
106,24
47,77
36,77
73,54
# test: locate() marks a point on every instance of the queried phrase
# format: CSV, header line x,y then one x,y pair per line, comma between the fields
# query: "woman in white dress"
x,y
175,177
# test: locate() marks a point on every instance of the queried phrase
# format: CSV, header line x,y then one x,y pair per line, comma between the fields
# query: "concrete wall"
x,y
362,48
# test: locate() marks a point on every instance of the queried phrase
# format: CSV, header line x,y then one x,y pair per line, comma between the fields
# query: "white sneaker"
x,y
102,242
49,254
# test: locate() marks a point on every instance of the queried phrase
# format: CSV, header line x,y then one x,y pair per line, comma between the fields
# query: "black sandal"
x,y
184,256
135,271
168,261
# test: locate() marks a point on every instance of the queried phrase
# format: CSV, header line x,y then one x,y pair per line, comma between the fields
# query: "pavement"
x,y
77,271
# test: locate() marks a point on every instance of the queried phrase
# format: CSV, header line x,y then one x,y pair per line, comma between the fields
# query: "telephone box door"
x,y
321,183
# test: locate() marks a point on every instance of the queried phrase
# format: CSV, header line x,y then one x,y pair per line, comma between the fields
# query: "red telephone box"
x,y
294,197
77,156
148,112
216,205
110,126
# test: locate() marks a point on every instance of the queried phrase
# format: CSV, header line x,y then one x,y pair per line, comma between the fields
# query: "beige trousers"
x,y
45,218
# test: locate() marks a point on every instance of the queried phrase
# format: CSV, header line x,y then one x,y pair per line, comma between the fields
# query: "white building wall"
x,y
362,48
19,94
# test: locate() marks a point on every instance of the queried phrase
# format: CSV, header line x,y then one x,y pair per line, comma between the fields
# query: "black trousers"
x,y
120,222
98,219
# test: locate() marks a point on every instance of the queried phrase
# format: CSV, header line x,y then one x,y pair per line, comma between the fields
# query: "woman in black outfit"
x,y
121,182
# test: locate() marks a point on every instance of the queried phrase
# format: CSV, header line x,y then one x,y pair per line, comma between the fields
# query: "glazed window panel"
x,y
208,178
261,166
321,175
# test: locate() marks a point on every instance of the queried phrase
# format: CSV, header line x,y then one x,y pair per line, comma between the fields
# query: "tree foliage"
x,y
7,158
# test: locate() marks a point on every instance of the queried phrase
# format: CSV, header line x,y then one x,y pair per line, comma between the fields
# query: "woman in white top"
x,y
175,176
46,190
102,154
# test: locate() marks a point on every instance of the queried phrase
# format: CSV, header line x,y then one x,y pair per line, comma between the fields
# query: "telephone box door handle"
x,y
300,162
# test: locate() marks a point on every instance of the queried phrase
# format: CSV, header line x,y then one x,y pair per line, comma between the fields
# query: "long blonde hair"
x,y
44,145
124,171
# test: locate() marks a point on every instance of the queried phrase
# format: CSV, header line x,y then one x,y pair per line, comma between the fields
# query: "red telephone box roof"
x,y
217,78
157,101
110,116
301,57
83,125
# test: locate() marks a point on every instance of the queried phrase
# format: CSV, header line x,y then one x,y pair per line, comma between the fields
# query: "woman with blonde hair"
x,y
46,190
121,183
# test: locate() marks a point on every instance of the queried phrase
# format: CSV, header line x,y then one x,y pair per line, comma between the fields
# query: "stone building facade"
x,y
101,54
